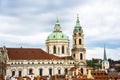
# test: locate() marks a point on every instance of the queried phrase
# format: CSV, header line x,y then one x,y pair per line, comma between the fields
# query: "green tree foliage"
x,y
94,63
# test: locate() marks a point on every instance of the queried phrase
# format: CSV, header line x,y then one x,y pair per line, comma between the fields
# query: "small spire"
x,y
4,47
57,21
78,18
57,27
78,27
105,57
77,22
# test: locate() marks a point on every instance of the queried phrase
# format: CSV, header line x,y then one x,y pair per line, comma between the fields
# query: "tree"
x,y
94,63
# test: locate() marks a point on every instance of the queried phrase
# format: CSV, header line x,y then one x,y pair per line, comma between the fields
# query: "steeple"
x,y
57,27
105,62
78,27
105,57
78,50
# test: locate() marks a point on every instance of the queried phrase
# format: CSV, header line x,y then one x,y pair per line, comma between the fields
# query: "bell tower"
x,y
78,50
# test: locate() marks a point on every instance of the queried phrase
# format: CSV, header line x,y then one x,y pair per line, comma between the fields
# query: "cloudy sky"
x,y
27,23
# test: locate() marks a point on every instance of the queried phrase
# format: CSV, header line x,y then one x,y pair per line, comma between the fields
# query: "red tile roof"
x,y
29,54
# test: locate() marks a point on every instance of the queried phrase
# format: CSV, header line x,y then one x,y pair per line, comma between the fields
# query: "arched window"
x,y
40,71
54,49
81,56
74,55
79,41
81,70
50,71
63,49
13,73
75,41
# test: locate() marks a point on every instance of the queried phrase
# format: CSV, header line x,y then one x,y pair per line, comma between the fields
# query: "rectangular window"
x,y
30,71
40,72
50,71
81,56
66,70
59,71
63,49
54,49
20,73
79,41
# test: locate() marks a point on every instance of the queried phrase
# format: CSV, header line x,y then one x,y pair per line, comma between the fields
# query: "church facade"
x,y
55,60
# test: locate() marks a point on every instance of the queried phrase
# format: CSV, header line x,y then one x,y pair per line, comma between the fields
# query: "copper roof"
x,y
29,54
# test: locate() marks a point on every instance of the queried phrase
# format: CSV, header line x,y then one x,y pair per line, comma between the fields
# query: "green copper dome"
x,y
57,36
57,33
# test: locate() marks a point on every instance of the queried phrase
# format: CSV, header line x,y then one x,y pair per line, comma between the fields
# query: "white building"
x,y
56,60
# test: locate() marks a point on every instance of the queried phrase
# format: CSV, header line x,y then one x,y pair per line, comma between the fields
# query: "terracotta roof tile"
x,y
29,54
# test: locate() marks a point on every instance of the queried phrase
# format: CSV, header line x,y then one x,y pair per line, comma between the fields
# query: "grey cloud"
x,y
99,19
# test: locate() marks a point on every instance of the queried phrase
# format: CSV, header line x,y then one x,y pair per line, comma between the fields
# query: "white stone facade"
x,y
57,66
58,44
105,65
45,67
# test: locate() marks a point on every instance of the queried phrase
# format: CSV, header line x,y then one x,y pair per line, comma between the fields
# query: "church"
x,y
55,60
